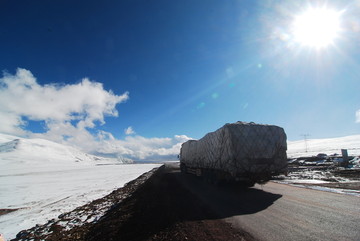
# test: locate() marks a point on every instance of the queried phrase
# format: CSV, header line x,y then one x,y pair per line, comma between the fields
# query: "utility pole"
x,y
305,140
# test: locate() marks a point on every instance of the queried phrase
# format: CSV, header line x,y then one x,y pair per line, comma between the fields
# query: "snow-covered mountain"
x,y
40,151
312,147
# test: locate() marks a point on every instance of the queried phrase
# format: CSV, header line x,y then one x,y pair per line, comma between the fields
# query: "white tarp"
x,y
237,148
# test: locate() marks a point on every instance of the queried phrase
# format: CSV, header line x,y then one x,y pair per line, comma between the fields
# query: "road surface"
x,y
282,212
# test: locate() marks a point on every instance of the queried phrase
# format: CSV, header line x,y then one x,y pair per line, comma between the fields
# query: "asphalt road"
x,y
282,212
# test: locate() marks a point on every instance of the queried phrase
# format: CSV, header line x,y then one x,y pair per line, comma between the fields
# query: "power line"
x,y
305,140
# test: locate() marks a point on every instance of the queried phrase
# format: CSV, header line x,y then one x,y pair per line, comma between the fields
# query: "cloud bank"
x,y
69,112
143,149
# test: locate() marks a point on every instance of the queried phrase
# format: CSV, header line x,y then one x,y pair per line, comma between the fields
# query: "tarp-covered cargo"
x,y
239,149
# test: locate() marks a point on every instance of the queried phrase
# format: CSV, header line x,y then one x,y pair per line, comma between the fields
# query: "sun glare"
x,y
317,27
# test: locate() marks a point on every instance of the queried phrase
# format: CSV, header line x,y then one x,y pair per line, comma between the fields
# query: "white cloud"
x,y
141,148
85,102
69,111
129,131
357,116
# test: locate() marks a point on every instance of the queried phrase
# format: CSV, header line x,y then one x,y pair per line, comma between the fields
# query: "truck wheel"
x,y
183,168
207,176
250,184
214,179
246,184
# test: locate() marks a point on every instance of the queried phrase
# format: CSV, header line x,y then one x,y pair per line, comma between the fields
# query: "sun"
x,y
317,27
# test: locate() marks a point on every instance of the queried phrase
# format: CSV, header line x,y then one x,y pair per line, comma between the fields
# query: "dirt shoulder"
x,y
153,207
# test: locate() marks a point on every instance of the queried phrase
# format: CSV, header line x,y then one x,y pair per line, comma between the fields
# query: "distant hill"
x,y
39,151
328,146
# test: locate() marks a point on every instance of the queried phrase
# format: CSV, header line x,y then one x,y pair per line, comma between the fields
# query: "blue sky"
x,y
189,67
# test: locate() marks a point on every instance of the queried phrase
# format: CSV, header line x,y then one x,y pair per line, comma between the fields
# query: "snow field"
x,y
43,179
43,195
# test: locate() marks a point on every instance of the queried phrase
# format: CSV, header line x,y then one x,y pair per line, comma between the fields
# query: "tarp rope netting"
x,y
236,147
263,145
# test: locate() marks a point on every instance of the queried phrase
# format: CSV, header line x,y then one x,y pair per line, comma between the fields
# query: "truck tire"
x,y
183,168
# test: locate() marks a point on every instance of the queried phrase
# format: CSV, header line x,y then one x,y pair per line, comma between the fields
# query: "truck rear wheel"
x,y
248,184
183,168
210,177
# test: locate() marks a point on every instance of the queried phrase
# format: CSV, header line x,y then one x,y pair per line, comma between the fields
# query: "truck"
x,y
241,152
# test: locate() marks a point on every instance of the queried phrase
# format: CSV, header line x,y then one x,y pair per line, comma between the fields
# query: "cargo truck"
x,y
246,153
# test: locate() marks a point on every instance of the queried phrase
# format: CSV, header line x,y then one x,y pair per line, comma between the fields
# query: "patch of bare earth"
x,y
6,211
341,178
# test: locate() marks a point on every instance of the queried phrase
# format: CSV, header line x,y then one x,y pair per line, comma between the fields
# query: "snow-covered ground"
x,y
43,179
312,147
315,178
